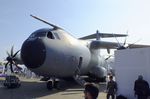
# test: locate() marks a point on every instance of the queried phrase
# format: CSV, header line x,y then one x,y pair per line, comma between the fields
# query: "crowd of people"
x,y
141,89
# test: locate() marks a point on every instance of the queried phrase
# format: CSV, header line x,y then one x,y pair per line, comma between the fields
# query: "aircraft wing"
x,y
137,46
113,45
102,35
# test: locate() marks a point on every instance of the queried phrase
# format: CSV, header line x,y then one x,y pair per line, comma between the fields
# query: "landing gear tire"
x,y
57,85
49,85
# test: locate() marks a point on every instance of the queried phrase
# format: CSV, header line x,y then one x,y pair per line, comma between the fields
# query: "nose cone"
x,y
33,53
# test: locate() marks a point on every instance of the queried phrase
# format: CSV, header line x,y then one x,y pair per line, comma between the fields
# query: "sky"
x,y
78,17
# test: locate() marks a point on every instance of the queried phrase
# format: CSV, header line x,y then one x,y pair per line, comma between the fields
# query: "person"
x,y
111,88
141,88
91,91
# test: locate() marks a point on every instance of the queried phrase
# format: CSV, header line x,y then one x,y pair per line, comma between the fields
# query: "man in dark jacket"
x,y
111,88
141,88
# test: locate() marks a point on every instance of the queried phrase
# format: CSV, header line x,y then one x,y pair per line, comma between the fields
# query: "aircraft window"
x,y
50,35
32,36
39,34
56,35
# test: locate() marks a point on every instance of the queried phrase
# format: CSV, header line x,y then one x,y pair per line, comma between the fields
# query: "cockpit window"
x,y
39,34
50,35
57,36
45,33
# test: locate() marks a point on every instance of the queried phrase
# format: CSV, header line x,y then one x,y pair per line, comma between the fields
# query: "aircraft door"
x,y
80,62
79,65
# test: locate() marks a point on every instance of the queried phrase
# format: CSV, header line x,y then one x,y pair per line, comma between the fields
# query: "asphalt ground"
x,y
35,89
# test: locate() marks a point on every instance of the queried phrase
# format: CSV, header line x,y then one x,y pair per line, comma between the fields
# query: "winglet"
x,y
54,26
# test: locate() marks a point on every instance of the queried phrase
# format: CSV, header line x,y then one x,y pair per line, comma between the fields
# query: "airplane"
x,y
54,53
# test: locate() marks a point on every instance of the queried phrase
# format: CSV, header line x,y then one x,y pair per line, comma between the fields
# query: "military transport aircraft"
x,y
54,53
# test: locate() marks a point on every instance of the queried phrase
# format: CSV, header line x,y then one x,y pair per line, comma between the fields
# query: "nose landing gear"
x,y
49,85
53,83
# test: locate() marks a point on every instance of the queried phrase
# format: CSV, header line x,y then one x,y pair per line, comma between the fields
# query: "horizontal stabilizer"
x,y
102,35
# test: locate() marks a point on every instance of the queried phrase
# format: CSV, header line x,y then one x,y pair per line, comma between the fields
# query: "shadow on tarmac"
x,y
36,89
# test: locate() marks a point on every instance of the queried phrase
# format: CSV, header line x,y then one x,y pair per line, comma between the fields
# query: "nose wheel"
x,y
51,84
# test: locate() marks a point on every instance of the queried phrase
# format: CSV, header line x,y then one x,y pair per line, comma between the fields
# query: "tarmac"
x,y
36,89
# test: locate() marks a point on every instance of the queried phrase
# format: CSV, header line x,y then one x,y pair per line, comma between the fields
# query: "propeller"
x,y
11,58
125,46
121,46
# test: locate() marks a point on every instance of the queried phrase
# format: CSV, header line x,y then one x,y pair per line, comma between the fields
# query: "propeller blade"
x,y
17,65
108,57
12,50
117,41
6,66
11,68
125,39
7,53
16,53
133,43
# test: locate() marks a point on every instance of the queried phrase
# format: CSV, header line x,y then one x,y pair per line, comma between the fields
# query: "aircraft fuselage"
x,y
56,53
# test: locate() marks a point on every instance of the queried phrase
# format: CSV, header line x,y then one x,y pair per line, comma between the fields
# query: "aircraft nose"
x,y
33,53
